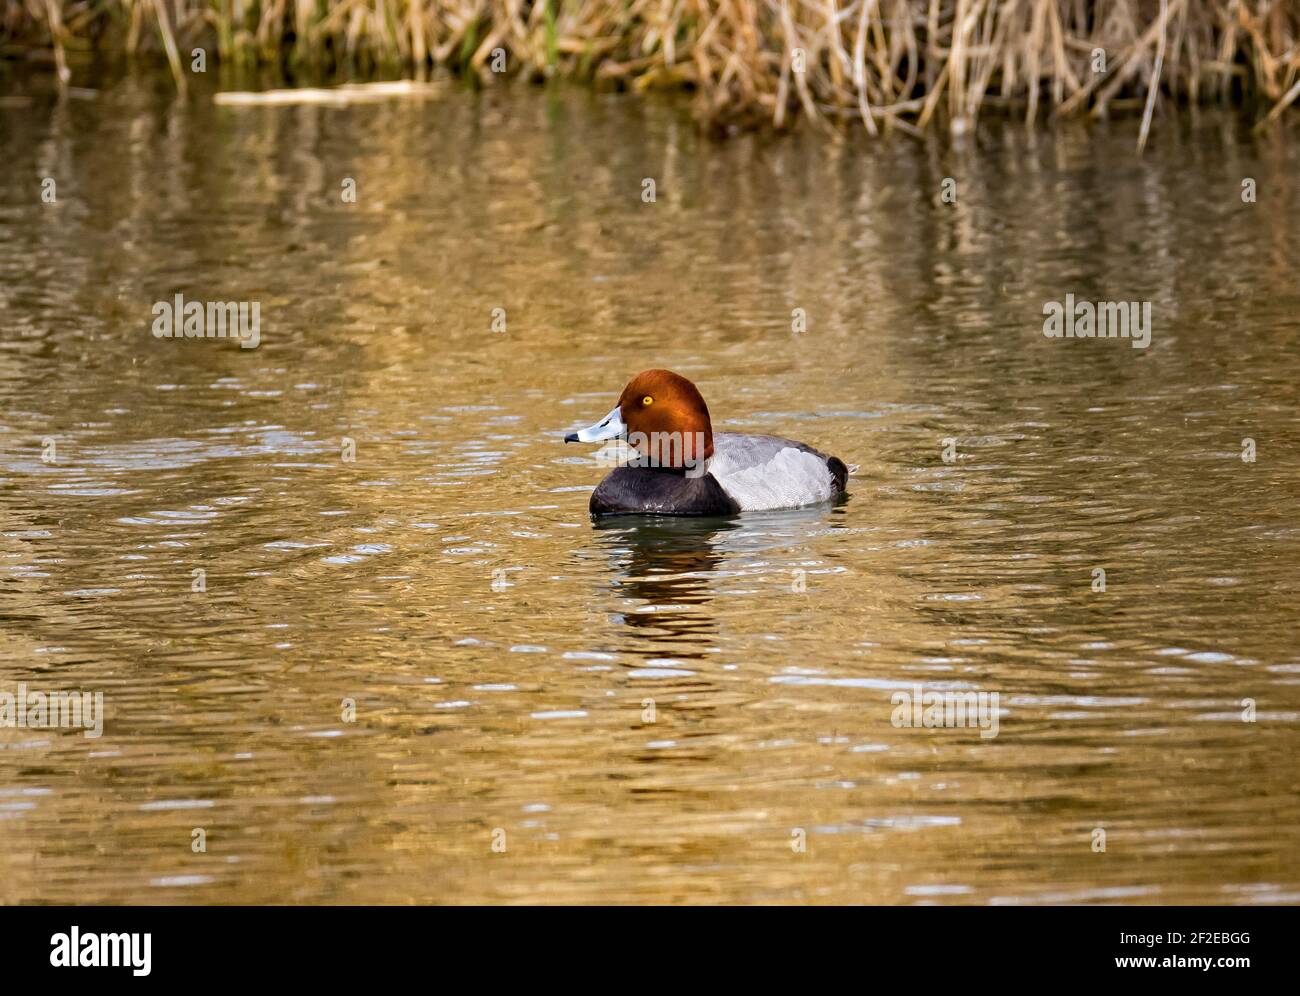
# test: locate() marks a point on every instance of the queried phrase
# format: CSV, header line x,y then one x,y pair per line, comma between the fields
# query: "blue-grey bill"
x,y
609,427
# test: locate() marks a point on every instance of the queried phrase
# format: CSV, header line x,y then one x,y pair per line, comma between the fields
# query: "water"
x,y
641,711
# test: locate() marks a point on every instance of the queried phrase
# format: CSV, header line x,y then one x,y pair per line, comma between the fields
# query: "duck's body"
x,y
684,468
768,472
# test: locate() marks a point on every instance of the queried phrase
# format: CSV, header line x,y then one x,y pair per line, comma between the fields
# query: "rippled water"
x,y
641,710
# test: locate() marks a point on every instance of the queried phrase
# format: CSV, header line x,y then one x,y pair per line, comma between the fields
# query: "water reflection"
x,y
667,565
500,648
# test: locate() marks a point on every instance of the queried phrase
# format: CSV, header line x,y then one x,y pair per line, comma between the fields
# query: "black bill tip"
x,y
571,437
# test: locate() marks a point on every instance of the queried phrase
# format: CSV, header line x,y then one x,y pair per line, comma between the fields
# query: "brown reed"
x,y
887,64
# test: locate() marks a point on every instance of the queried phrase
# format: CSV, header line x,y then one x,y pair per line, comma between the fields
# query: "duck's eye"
x,y
647,400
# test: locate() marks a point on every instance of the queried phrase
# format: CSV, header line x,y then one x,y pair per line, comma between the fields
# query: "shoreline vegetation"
x,y
907,65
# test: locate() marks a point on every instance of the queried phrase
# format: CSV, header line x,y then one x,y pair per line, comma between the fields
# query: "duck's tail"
x,y
839,472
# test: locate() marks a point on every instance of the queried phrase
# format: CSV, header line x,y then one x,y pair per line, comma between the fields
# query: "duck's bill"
x,y
609,427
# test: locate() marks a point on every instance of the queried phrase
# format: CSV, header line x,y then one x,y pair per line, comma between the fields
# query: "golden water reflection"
x,y
641,710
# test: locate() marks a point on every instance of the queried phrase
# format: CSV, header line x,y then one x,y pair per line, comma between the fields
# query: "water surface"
x,y
641,711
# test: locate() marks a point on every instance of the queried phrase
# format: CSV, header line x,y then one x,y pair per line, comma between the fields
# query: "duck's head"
x,y
663,416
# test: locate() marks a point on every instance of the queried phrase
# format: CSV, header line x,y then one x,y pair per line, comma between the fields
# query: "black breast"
x,y
658,491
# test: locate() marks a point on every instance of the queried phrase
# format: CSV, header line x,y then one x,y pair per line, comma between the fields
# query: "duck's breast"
x,y
768,472
650,491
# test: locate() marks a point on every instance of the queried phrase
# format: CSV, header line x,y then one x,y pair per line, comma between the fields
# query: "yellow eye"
x,y
647,400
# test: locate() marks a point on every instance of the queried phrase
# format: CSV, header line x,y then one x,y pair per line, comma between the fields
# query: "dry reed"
x,y
901,64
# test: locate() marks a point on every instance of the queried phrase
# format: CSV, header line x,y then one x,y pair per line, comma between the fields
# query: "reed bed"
x,y
878,64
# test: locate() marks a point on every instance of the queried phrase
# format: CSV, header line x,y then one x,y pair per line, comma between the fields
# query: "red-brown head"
x,y
663,416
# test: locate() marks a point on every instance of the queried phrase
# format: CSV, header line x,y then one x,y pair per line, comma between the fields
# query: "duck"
x,y
680,466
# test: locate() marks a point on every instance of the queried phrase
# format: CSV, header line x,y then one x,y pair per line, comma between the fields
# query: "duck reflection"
x,y
667,563
669,573
672,566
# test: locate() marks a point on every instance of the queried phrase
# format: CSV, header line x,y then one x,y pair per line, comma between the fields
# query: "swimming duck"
x,y
682,467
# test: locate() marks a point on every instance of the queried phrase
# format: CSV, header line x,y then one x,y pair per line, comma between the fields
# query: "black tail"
x,y
839,472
